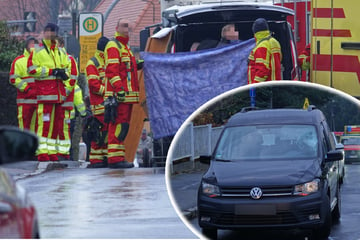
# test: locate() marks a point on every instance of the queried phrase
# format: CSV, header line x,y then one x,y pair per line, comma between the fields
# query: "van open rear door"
x,y
335,45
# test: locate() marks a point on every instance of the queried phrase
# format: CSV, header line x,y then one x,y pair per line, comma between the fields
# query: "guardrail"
x,y
195,141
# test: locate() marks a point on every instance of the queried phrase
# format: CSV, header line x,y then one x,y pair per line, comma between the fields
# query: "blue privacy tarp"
x,y
178,84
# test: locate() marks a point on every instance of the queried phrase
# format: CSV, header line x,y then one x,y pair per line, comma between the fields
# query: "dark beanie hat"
x,y
52,27
102,43
260,24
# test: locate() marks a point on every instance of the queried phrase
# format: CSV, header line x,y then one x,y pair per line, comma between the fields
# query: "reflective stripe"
x,y
26,101
46,78
96,151
29,79
74,77
116,147
102,90
91,76
43,72
67,104
114,80
47,97
113,60
259,79
31,68
116,154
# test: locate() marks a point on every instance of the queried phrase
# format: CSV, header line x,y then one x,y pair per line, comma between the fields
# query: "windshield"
x,y
268,142
351,141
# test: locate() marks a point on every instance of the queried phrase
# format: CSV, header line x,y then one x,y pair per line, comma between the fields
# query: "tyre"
x,y
210,233
336,213
323,232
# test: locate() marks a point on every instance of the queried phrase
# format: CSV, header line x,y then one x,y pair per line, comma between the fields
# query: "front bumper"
x,y
271,212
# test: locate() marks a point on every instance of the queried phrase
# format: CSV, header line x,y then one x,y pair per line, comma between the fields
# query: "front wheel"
x,y
336,214
324,231
210,233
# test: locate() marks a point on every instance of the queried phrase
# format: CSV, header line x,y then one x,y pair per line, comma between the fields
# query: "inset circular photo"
x,y
274,160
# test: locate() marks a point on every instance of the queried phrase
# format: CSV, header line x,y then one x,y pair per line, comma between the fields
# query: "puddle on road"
x,y
135,172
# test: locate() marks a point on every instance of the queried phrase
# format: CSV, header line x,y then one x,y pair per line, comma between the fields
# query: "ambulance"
x,y
351,141
335,45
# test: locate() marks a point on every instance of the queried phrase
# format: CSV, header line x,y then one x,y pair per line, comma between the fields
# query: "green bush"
x,y
10,47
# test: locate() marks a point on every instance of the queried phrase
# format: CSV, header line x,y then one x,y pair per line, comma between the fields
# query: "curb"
x,y
42,167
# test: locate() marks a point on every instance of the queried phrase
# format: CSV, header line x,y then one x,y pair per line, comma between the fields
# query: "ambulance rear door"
x,y
335,45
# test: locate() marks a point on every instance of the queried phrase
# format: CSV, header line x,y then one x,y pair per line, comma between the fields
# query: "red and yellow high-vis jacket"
x,y
265,59
95,75
304,58
20,78
70,85
41,63
121,69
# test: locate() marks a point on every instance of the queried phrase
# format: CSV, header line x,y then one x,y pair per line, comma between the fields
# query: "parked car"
x,y
352,148
272,168
340,146
18,217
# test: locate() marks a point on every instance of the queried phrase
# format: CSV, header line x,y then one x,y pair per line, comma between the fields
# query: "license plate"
x,y
254,209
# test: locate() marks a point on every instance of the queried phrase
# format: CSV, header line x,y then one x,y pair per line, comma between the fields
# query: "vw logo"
x,y
256,193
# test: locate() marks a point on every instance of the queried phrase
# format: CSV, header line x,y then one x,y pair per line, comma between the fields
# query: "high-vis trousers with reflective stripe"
x,y
98,153
49,116
64,141
116,148
27,116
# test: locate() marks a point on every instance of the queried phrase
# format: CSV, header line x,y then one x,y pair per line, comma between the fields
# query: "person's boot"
x,y
97,165
122,164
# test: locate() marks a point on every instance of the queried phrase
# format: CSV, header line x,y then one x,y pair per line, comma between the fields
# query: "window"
x,y
268,142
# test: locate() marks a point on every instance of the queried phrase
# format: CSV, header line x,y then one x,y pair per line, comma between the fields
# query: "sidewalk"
x,y
184,185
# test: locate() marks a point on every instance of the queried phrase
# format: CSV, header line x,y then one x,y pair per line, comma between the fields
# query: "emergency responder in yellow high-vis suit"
x,y
51,68
304,60
95,74
265,59
122,84
64,139
26,89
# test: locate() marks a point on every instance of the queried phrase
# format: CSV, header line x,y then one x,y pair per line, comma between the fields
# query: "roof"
x,y
228,10
141,13
276,116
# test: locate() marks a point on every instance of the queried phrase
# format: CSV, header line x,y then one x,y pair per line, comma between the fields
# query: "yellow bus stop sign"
x,y
90,30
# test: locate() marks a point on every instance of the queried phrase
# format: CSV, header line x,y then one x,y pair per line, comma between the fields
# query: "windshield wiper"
x,y
222,160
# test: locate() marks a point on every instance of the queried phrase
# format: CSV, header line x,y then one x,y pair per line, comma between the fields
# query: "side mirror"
x,y
144,35
16,145
339,146
205,159
334,155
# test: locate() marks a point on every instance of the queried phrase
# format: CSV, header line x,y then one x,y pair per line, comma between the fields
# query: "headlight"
x,y
210,190
307,188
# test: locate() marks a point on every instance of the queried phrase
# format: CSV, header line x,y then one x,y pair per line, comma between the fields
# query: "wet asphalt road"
x,y
104,203
347,229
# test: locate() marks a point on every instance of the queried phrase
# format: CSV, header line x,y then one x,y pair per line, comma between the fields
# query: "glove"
x,y
140,64
55,72
120,96
63,75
